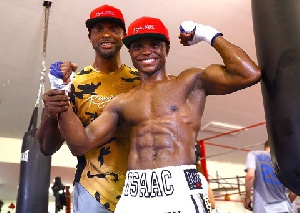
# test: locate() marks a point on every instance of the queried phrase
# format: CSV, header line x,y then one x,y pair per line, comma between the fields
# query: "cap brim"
x,y
127,40
91,22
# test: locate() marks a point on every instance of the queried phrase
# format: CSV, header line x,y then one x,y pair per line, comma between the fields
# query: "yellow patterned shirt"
x,y
102,171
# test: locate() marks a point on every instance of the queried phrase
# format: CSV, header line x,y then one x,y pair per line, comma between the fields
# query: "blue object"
x,y
55,69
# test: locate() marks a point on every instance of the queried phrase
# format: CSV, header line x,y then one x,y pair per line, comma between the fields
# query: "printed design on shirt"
x,y
149,185
193,179
118,197
131,79
136,78
85,72
87,89
103,151
133,72
93,116
106,205
83,89
98,198
126,83
114,176
268,173
72,98
99,101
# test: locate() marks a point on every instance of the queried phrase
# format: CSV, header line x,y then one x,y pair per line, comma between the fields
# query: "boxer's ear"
x,y
167,48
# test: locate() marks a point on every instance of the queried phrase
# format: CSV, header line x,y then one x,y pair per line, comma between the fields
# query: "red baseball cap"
x,y
146,27
105,12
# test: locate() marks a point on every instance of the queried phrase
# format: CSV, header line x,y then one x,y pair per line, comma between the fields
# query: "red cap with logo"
x,y
103,13
146,27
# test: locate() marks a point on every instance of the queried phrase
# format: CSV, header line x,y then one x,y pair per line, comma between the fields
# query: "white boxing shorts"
x,y
172,189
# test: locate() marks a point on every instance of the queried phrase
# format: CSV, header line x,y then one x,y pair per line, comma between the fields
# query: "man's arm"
x,y
48,134
238,71
250,176
80,139
55,102
292,196
211,197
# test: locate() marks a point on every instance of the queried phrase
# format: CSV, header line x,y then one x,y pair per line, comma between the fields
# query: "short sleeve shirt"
x,y
102,171
266,189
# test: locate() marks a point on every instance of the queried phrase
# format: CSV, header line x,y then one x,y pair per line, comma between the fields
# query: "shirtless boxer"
x,y
162,117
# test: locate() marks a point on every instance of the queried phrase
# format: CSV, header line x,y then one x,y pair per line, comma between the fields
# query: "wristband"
x,y
201,32
214,38
205,33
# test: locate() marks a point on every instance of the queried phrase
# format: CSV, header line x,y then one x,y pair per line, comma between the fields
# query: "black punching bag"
x,y
276,25
34,179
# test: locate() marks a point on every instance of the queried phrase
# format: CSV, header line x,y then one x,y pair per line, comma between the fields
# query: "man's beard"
x,y
108,53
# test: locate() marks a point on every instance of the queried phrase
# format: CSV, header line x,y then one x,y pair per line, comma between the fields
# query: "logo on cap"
x,y
105,13
145,27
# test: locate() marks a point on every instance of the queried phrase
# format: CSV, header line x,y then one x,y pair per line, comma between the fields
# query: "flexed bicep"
x,y
217,81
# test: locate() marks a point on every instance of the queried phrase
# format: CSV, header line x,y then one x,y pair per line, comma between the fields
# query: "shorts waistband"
x,y
162,182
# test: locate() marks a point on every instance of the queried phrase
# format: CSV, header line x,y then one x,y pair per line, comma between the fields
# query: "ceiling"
x,y
21,64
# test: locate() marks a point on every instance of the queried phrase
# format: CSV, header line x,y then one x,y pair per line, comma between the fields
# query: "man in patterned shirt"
x,y
100,172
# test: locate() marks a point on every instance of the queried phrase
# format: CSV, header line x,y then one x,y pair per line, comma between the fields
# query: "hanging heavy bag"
x,y
276,25
34,179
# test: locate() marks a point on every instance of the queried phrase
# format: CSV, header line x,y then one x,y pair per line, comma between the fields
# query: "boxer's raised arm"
x,y
238,72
